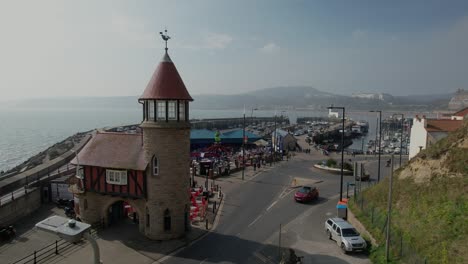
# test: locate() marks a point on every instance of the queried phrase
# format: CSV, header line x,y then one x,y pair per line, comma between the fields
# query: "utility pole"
x,y
401,137
279,243
342,148
380,142
389,212
274,145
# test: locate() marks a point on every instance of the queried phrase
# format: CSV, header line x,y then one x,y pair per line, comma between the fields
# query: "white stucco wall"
x,y
418,137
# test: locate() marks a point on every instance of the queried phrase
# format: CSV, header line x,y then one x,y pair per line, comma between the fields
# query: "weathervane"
x,y
165,37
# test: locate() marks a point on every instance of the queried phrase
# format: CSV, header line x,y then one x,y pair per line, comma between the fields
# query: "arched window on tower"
x,y
155,165
147,218
167,220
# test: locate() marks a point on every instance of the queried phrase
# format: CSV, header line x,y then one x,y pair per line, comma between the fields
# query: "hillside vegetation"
x,y
429,205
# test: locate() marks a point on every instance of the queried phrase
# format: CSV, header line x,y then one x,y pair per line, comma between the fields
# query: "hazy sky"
x,y
110,48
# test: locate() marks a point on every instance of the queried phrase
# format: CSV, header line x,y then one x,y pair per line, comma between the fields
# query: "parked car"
x,y
306,194
345,235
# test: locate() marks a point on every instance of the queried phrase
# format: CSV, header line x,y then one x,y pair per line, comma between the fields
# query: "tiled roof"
x,y
462,112
166,83
113,150
443,125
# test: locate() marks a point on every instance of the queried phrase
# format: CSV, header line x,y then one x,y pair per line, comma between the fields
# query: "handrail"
x,y
35,257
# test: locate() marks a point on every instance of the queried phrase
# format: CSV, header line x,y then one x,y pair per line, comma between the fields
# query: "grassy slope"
x,y
433,213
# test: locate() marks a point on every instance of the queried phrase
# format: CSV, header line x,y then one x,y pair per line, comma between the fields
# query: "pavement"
x,y
118,244
245,231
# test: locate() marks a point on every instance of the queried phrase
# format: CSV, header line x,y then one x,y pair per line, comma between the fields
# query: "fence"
x,y
53,249
45,252
36,180
375,220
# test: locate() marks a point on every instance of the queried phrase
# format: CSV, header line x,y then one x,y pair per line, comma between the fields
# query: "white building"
x,y
333,114
425,132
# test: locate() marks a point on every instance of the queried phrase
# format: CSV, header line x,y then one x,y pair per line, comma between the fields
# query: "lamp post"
x,y
251,114
401,136
243,147
380,139
274,142
342,148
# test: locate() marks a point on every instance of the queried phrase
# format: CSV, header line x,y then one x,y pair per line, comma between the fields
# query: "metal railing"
x,y
45,252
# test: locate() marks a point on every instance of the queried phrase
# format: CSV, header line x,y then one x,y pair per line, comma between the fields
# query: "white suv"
x,y
345,235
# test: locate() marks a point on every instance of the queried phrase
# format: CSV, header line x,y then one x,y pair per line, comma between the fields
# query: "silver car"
x,y
345,235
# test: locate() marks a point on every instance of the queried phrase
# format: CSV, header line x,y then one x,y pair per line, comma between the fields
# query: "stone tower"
x,y
166,145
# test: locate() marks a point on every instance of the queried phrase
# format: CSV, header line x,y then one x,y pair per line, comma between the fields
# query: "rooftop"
x,y
442,125
113,150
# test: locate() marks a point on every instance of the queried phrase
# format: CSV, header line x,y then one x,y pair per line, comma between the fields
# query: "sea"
x,y
26,131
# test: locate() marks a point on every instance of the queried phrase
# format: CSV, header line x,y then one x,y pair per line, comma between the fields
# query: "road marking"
x,y
285,193
203,261
256,219
261,257
329,213
269,207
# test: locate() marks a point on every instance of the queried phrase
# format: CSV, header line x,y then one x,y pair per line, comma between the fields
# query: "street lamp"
x,y
71,231
380,139
401,136
342,148
243,147
251,114
274,142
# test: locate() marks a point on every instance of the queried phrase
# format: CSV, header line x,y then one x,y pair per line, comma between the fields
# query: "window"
x,y
167,220
155,166
151,111
172,110
338,230
147,217
161,109
182,110
80,174
118,177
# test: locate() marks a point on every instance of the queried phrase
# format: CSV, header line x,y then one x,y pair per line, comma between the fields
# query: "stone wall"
x,y
20,207
169,189
94,208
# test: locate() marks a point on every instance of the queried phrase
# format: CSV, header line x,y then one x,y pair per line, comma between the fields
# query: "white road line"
x,y
285,193
203,261
256,219
269,207
261,257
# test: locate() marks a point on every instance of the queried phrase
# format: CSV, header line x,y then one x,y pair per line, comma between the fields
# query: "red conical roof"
x,y
166,84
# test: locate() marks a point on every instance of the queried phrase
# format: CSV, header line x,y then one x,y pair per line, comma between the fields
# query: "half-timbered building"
x,y
148,171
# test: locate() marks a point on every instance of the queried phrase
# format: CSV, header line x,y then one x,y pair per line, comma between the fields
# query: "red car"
x,y
306,194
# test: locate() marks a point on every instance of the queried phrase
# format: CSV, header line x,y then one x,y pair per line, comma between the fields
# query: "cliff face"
x,y
430,201
459,101
446,158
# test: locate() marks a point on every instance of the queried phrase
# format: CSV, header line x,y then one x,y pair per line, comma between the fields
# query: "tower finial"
x,y
165,37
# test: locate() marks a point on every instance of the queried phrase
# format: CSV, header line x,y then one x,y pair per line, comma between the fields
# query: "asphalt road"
x,y
253,211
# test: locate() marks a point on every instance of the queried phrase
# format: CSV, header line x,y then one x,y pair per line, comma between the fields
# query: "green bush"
x,y
331,163
348,166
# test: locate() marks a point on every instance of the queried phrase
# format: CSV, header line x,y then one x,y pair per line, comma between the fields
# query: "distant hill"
x,y
269,98
429,205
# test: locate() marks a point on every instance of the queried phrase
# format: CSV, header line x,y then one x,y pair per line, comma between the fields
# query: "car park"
x,y
345,235
306,194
